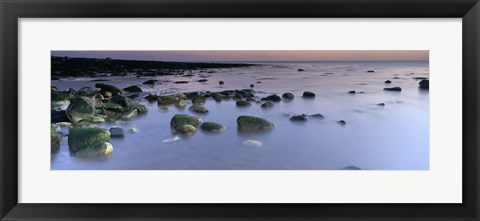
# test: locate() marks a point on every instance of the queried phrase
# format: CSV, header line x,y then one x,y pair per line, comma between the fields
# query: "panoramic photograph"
x,y
240,110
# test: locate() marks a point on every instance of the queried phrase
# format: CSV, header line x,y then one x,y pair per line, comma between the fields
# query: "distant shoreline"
x,y
62,67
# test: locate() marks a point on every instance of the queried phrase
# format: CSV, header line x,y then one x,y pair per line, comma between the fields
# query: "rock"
x,y
300,69
254,123
396,78
221,82
388,82
242,103
252,85
181,119
342,122
163,108
317,116
112,107
187,129
217,97
98,150
266,105
133,130
55,137
63,124
86,92
181,82
92,120
130,114
202,80
106,94
59,100
167,100
139,107
301,117
133,89
212,127
424,84
79,109
392,89
83,137
122,100
198,109
381,104
420,78
308,94
181,96
198,99
272,97
288,96
253,143
181,104
116,131
151,98
351,92
370,71
151,82
351,168
58,116
110,88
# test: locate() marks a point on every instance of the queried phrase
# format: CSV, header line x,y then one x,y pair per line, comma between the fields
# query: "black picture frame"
x,y
12,10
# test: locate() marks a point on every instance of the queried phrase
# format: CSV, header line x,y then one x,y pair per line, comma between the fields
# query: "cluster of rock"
x,y
86,107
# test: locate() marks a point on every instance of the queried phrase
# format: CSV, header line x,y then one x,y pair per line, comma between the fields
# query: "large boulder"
x,y
254,123
80,109
424,84
133,89
212,127
288,96
124,101
97,150
83,137
110,88
182,119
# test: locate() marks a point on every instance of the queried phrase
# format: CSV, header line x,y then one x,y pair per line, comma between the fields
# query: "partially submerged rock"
x,y
122,100
254,123
167,100
212,127
107,87
388,82
80,109
253,143
300,69
98,150
198,99
352,92
181,104
187,129
150,82
55,137
392,89
133,89
221,83
288,96
351,168
83,137
299,118
273,97
424,84
342,122
308,94
317,116
242,103
266,105
182,119
198,109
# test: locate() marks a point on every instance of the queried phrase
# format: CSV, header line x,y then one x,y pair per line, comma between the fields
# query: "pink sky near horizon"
x,y
256,55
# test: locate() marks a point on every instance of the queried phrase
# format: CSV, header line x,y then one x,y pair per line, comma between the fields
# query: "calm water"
x,y
394,137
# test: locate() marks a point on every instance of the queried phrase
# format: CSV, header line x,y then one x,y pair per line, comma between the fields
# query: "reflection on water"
x,y
390,137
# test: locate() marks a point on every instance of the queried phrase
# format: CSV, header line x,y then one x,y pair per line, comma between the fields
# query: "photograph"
x,y
240,110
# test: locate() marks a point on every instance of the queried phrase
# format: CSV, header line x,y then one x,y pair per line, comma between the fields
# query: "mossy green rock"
x,y
110,88
187,129
181,104
98,150
266,105
79,109
254,123
212,127
133,89
288,96
198,109
54,136
242,103
140,108
122,100
82,137
198,99
167,100
217,97
60,100
113,107
181,119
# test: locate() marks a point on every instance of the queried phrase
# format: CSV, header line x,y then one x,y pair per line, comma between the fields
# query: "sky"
x,y
256,55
